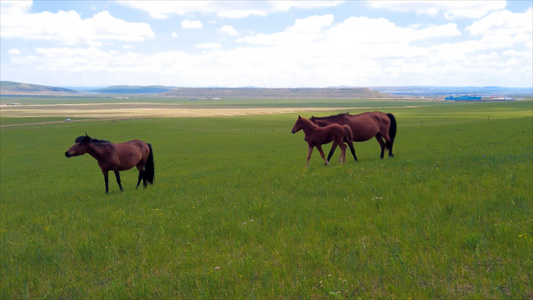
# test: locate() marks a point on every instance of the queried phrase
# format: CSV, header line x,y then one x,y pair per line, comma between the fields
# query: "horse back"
x,y
367,125
335,132
384,122
131,153
324,135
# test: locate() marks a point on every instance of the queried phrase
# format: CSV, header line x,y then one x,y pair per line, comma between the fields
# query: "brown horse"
x,y
365,126
117,157
316,136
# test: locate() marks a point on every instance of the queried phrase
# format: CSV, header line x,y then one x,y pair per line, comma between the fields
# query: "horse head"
x,y
297,126
80,147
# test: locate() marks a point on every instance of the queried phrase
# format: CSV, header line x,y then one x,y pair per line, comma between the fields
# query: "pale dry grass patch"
x,y
144,110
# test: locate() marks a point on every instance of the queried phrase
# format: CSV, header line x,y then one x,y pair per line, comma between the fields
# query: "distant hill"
x,y
293,93
133,89
441,91
17,88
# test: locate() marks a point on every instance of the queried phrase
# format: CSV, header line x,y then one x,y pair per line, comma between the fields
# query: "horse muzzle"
x,y
67,154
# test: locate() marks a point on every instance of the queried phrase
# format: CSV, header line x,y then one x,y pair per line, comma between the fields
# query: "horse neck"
x,y
328,121
308,126
321,122
96,150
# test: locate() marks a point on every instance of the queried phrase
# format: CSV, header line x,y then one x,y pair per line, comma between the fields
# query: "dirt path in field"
x,y
117,111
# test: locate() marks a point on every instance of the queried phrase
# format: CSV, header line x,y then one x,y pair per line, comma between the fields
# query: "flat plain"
x,y
234,214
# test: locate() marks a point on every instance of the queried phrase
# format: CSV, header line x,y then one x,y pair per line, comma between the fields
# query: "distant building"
x,y
463,98
503,99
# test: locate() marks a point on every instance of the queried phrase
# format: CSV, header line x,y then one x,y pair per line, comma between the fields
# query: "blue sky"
x,y
267,43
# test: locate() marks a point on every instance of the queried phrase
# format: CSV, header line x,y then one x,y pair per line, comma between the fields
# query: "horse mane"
x,y
88,139
332,117
309,122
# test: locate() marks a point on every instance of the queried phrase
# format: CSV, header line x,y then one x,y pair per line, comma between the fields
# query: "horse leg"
x,y
106,180
381,144
342,158
145,182
141,176
117,175
333,147
388,141
319,147
389,146
352,149
309,151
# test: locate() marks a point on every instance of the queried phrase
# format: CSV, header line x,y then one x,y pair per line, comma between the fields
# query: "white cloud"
x,y
505,25
229,30
68,27
237,13
162,9
188,24
13,52
227,9
367,31
314,51
287,5
304,31
450,9
355,37
14,7
208,46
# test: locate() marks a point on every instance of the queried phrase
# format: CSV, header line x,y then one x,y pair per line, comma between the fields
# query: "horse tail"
x,y
149,171
392,130
349,133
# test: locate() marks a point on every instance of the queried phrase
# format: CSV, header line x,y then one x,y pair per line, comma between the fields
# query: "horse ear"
x,y
299,118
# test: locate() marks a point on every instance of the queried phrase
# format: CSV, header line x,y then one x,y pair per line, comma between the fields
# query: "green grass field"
x,y
234,213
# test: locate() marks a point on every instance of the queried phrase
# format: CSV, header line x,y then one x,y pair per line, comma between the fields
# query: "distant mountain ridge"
x,y
133,89
437,91
17,88
292,93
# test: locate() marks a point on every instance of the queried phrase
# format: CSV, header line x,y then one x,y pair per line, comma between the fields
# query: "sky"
x,y
267,43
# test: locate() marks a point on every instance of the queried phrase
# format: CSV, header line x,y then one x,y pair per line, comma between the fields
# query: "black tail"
x,y
392,129
392,133
149,172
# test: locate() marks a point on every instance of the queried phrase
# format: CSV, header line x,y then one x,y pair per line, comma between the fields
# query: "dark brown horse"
x,y
117,157
365,126
316,136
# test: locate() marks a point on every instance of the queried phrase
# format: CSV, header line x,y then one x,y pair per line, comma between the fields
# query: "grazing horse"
x,y
117,157
365,126
316,136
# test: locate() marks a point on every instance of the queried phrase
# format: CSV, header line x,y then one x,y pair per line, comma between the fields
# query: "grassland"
x,y
234,214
